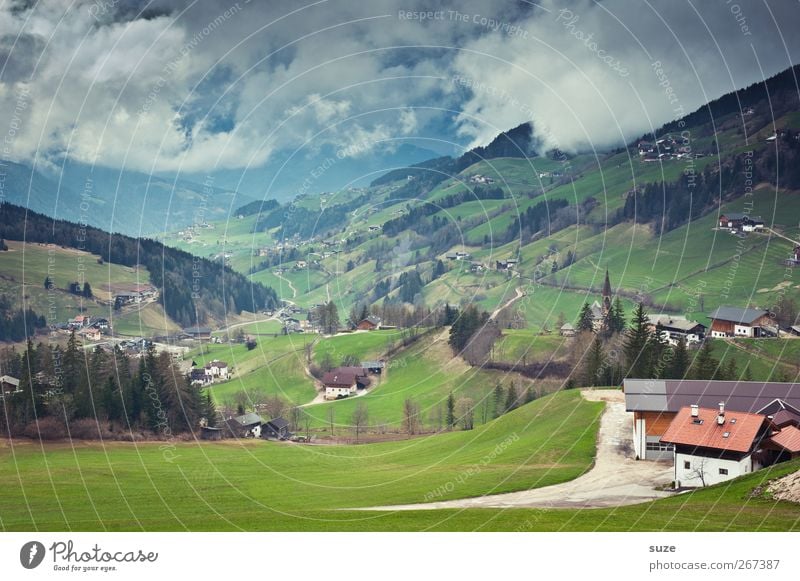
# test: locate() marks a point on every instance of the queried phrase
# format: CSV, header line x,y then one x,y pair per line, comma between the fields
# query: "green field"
x,y
362,345
523,346
275,487
767,359
426,372
274,367
267,486
145,322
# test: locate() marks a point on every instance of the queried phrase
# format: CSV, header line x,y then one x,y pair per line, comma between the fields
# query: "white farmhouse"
x,y
712,445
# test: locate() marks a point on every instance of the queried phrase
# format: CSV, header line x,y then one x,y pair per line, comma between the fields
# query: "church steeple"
x,y
607,287
606,297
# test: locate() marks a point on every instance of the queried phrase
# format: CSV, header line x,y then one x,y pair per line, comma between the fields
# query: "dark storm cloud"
x,y
198,85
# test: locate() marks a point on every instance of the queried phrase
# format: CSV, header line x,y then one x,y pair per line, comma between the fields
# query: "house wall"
x,y
710,466
648,427
721,328
334,392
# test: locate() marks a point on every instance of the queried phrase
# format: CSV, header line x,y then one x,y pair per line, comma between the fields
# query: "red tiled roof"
x,y
788,439
741,429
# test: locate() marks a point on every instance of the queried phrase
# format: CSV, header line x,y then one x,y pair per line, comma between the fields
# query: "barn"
x,y
655,403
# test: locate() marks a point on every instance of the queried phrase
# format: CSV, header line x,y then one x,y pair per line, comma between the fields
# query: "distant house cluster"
x,y
87,327
481,179
736,222
665,148
738,322
8,385
250,425
370,323
291,323
508,264
460,255
673,328
135,295
794,259
346,381
196,332
714,430
207,374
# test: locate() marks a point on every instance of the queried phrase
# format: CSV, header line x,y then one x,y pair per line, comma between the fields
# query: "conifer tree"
x,y
511,398
680,361
585,321
451,411
595,363
498,400
705,365
617,317
636,345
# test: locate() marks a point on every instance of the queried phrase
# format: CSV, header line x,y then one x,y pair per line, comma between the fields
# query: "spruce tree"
x,y
511,398
595,363
530,395
731,370
498,400
451,411
680,360
210,411
585,319
636,345
617,317
705,365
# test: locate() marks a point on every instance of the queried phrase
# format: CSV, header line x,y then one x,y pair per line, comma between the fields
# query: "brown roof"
x,y
357,371
788,439
670,395
736,434
338,379
786,417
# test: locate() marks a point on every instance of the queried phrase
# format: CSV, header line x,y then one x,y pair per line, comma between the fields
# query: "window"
x,y
687,465
723,471
658,447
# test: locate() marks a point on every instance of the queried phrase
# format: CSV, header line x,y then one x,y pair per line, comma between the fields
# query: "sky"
x,y
188,87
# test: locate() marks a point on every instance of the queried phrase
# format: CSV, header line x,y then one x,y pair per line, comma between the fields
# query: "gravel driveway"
x,y
615,480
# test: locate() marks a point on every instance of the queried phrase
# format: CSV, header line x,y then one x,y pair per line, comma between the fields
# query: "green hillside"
x,y
264,486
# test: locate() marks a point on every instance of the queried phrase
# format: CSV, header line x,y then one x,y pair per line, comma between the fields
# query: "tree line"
x,y
70,392
18,324
642,352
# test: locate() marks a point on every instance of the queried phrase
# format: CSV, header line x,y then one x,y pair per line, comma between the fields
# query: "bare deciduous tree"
x,y
466,412
274,407
360,419
410,416
480,345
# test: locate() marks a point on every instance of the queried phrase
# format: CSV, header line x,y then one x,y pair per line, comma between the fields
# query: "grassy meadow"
x,y
256,485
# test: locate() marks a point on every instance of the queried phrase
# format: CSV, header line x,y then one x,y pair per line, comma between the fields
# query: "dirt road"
x,y
519,293
615,480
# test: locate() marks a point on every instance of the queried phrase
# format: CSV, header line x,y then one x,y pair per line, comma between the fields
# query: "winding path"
x,y
519,294
615,480
289,283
